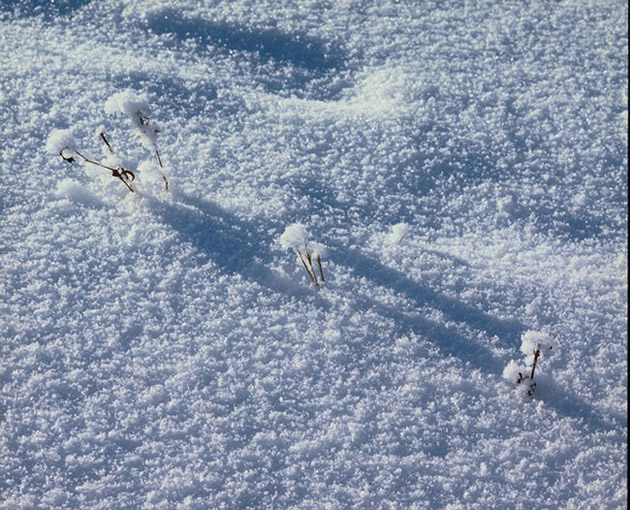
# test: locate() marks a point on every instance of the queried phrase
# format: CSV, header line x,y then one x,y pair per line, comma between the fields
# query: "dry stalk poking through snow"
x,y
63,143
136,108
533,343
309,253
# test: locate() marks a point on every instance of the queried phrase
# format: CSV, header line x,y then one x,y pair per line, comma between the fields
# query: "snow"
x,y
531,341
75,192
149,177
294,237
464,164
136,108
60,140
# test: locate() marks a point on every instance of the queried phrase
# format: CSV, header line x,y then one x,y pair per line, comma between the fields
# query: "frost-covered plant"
x,y
295,238
63,143
136,108
535,345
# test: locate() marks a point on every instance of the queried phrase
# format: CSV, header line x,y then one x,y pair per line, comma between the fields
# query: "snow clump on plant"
x,y
535,345
136,107
295,238
398,233
61,140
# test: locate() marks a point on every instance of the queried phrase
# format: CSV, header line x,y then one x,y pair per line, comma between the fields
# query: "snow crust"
x,y
167,350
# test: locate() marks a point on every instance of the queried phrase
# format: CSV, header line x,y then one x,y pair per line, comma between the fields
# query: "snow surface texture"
x,y
162,351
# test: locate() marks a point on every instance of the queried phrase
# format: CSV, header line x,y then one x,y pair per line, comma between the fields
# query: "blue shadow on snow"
x,y
294,63
237,246
242,247
268,44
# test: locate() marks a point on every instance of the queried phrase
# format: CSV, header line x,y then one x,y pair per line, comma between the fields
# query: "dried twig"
x,y
126,176
309,266
522,378
157,154
319,264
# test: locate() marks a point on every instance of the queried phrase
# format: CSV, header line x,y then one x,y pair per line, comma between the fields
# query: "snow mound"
x,y
60,139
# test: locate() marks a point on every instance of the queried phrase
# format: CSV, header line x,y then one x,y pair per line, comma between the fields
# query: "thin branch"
x,y
126,176
319,264
309,258
311,275
102,135
157,154
69,159
536,355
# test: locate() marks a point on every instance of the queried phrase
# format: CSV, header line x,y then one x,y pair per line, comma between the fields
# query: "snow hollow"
x,y
299,254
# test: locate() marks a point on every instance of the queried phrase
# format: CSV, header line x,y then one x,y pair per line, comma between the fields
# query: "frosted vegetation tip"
x,y
535,346
309,253
62,142
136,108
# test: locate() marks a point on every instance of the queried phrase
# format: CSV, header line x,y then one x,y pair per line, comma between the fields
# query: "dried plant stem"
x,y
309,270
102,135
126,176
311,267
145,121
319,265
157,155
523,378
536,356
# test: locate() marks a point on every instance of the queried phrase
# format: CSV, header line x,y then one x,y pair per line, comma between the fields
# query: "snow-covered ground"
x,y
465,165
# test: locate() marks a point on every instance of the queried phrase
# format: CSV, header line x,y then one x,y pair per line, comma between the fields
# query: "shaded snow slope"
x,y
465,165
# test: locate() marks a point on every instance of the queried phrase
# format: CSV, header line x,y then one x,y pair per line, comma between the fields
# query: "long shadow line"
x,y
240,247
455,310
448,341
571,406
237,246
